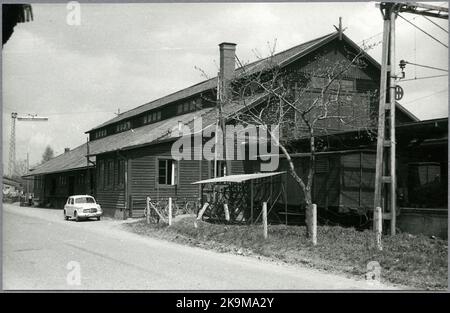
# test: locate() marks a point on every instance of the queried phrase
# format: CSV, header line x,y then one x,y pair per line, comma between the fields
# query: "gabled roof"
x,y
281,58
161,131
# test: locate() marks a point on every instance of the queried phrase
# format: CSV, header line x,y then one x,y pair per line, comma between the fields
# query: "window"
x,y
167,172
79,180
152,117
426,188
123,126
109,171
190,106
121,172
84,200
101,173
100,133
221,169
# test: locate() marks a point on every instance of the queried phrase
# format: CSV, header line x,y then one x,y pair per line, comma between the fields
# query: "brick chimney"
x,y
66,150
227,61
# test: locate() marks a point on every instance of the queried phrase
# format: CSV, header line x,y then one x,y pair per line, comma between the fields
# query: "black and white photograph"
x,y
225,146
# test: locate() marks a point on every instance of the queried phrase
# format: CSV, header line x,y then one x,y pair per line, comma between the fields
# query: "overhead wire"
x,y
424,77
428,66
427,96
436,24
423,31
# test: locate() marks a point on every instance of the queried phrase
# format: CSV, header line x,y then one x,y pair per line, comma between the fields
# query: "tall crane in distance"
x,y
385,173
12,142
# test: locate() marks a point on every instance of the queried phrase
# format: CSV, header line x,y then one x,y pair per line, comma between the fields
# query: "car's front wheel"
x,y
65,216
77,218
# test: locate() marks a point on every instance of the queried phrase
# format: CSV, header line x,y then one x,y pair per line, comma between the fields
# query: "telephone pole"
x,y
385,174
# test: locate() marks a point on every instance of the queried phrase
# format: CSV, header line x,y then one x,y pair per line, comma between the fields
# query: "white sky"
x,y
124,55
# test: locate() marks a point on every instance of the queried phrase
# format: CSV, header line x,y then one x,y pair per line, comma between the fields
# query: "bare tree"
x,y
21,168
305,103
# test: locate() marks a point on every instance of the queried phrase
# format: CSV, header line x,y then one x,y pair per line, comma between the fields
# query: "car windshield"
x,y
84,200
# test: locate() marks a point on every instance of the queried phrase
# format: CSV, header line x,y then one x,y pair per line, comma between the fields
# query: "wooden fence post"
x,y
314,223
378,223
200,214
147,210
170,211
264,218
227,212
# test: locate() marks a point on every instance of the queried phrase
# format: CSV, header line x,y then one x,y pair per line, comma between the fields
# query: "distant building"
x,y
11,187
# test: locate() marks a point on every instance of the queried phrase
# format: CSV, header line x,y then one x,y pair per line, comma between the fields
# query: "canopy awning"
x,y
237,178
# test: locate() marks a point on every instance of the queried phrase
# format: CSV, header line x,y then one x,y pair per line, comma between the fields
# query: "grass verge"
x,y
412,260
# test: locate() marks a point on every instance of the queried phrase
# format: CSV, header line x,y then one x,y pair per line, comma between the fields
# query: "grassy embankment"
x,y
416,261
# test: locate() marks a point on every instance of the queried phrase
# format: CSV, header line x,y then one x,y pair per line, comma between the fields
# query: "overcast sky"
x,y
124,55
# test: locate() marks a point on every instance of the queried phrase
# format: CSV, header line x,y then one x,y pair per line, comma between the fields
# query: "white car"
x,y
82,207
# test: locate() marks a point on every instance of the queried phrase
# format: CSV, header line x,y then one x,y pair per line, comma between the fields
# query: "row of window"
x,y
100,133
123,126
152,117
190,106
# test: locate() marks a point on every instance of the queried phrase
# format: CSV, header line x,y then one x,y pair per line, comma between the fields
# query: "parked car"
x,y
82,207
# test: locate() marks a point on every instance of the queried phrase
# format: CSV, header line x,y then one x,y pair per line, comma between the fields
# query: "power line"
x,y
425,77
436,24
423,31
367,39
427,66
434,93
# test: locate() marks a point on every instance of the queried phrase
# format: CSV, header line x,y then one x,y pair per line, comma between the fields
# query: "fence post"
x,y
264,218
170,211
227,212
314,223
147,210
200,214
378,223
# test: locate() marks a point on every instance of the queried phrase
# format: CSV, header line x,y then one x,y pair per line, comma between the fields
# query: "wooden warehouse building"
x,y
132,152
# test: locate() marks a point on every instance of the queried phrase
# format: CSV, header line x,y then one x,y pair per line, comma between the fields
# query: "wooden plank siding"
x,y
111,197
54,189
142,180
340,180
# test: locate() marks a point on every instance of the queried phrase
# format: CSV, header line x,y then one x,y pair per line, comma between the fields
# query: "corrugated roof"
x,y
279,59
145,135
11,181
68,161
160,131
237,178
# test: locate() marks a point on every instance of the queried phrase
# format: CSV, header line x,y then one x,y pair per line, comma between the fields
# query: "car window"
x,y
71,201
85,200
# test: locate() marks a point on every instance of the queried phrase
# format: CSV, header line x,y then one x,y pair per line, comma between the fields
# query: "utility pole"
x,y
28,169
12,142
385,174
12,145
